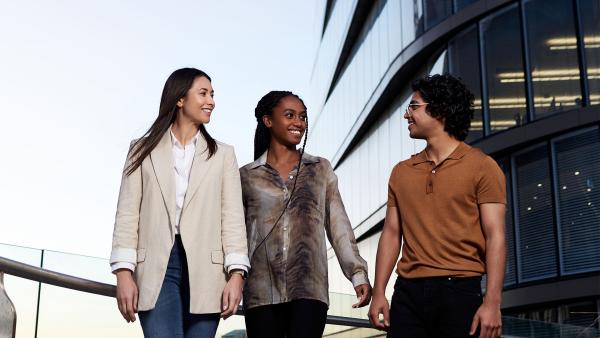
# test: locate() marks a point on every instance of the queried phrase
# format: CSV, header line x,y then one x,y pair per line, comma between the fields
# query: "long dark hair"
x,y
262,136
176,87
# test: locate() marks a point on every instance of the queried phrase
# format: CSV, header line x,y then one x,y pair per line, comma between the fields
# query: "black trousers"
x,y
434,307
300,318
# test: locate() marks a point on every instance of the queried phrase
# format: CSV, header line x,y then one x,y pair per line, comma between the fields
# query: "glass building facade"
x,y
534,67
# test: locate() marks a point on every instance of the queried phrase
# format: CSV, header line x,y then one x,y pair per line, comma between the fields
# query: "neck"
x,y
184,131
440,147
279,153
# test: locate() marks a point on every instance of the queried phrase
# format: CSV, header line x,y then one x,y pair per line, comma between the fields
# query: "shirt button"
x,y
284,248
433,171
291,177
284,228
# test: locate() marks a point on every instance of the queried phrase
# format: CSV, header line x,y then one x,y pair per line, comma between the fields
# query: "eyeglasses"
x,y
412,106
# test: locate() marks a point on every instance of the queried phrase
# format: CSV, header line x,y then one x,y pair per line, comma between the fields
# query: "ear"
x,y
267,120
180,103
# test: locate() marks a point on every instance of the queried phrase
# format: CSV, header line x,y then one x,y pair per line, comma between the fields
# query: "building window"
x,y
590,12
460,4
412,21
463,61
503,66
554,66
536,244
436,11
510,277
578,197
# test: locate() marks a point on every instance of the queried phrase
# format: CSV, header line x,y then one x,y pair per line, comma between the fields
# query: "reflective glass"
x,y
590,14
436,11
536,244
460,4
510,276
463,62
412,21
501,44
554,66
578,178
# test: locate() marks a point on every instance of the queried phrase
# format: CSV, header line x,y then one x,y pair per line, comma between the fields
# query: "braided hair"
x,y
262,140
262,136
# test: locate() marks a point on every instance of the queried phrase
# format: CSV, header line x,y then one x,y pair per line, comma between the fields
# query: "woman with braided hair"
x,y
291,200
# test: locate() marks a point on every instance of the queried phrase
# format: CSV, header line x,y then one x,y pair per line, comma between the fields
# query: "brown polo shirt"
x,y
439,211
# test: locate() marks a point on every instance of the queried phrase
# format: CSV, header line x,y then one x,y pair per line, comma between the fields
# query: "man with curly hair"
x,y
445,210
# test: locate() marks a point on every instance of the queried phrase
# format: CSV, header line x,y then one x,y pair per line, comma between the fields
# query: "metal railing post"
x,y
8,315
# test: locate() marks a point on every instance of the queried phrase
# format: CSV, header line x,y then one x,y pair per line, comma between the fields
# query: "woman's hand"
x,y
127,294
363,293
232,295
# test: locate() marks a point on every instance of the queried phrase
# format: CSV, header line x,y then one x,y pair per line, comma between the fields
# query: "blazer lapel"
x,y
199,168
162,162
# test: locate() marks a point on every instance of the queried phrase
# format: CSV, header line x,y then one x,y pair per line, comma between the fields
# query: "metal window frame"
x,y
581,57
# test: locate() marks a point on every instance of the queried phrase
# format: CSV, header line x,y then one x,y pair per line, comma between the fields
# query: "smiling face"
x,y
421,125
198,103
287,122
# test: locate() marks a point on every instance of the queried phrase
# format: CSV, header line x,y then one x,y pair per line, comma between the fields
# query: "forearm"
x,y
495,263
387,255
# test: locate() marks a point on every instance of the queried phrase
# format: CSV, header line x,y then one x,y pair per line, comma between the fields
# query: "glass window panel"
x,y
510,276
412,21
535,230
501,44
590,12
436,11
460,4
463,59
579,201
554,69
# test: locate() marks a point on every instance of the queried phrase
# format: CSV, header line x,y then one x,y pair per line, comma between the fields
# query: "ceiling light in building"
x,y
576,173
549,75
539,184
592,41
539,101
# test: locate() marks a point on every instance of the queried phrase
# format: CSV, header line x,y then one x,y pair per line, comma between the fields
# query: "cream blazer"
x,y
211,226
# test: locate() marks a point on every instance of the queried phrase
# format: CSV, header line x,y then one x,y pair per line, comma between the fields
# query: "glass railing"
x,y
49,311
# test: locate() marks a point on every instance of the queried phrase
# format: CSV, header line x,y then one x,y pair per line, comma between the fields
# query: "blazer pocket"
x,y
216,257
141,255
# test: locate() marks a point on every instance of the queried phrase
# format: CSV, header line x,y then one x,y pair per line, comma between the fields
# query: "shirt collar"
x,y
262,160
178,144
457,154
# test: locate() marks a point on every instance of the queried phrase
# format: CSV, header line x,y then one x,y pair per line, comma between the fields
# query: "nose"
x,y
211,101
407,114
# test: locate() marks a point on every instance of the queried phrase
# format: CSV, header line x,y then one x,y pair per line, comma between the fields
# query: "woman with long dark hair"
x,y
291,200
179,246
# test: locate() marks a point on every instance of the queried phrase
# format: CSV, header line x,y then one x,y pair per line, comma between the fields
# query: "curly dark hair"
x,y
262,136
447,98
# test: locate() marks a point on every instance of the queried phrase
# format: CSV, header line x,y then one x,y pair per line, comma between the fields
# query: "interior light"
x,y
566,43
576,173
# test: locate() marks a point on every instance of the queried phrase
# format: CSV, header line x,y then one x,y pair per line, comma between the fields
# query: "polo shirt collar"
x,y
457,154
262,160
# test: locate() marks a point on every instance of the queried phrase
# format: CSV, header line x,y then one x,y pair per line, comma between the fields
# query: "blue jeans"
x,y
171,316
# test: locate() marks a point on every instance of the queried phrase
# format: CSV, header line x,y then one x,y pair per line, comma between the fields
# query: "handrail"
x,y
41,275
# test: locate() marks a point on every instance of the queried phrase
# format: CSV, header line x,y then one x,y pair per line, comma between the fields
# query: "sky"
x,y
80,79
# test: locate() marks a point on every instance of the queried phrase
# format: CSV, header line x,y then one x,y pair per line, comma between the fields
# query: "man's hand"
x,y
232,295
363,294
127,294
379,305
489,319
